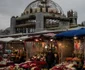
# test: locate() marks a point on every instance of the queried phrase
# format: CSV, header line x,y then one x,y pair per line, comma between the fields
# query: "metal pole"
x,y
84,51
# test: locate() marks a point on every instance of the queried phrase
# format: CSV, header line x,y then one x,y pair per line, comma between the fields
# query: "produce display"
x,y
32,65
64,66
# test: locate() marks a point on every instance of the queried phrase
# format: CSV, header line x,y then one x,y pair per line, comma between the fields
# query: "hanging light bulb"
x,y
36,40
51,40
46,47
75,37
20,40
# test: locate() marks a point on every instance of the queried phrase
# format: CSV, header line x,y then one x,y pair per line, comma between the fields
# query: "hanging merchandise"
x,y
1,47
77,44
33,45
43,44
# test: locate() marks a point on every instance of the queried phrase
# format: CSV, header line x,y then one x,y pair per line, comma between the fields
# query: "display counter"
x,y
28,65
64,66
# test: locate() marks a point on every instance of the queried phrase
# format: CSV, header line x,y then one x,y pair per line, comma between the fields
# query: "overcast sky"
x,y
9,8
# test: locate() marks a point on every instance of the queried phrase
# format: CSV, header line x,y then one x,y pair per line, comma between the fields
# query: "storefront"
x,y
78,54
79,47
39,45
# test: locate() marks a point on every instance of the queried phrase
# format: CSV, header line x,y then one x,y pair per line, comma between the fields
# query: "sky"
x,y
9,8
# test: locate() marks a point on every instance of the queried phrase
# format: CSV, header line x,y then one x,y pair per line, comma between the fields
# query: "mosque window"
x,y
31,10
28,30
21,30
51,23
64,23
35,10
41,9
17,30
24,30
71,21
27,12
32,30
46,9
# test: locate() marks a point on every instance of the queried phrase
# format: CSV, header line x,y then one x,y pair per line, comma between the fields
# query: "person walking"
x,y
50,59
56,59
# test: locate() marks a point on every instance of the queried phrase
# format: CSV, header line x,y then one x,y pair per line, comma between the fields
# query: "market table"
x,y
28,65
64,66
2,65
8,63
1,68
40,64
33,64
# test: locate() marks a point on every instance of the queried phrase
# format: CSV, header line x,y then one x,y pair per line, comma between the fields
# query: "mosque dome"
x,y
51,5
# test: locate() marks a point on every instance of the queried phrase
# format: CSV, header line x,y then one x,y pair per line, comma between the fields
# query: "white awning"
x,y
21,38
49,34
7,39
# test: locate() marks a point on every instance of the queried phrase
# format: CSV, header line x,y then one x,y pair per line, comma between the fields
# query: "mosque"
x,y
42,15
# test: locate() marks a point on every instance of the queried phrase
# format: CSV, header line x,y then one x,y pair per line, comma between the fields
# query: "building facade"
x,y
42,15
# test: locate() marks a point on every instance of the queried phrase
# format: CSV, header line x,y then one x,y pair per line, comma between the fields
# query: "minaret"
x,y
72,15
12,25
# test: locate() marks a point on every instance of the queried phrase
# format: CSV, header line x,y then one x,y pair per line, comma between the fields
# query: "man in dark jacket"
x,y
50,58
56,59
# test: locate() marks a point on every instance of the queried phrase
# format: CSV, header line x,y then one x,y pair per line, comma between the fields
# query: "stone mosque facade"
x,y
42,15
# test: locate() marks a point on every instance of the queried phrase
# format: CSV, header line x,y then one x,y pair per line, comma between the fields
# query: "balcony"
x,y
25,25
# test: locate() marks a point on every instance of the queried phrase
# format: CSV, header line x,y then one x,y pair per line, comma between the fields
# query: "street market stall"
x,y
79,40
33,46
4,52
27,65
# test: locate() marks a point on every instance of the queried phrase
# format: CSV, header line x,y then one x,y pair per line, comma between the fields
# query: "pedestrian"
x,y
50,59
56,59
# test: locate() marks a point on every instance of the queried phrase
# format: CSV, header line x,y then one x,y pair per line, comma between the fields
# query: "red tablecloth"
x,y
10,63
33,64
3,65
28,65
39,62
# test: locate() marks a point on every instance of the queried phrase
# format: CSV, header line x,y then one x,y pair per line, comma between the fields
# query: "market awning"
x,y
71,33
80,32
49,34
21,38
7,39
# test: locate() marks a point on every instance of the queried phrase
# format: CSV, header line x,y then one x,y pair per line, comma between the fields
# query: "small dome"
x,y
44,3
